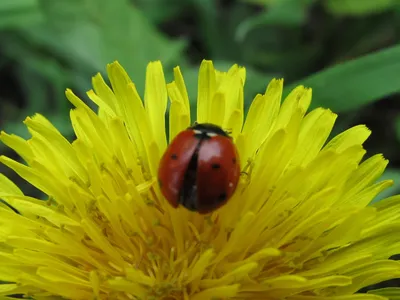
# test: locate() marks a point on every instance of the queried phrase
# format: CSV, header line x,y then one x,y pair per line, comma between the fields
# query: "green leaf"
x,y
19,13
283,12
358,7
15,5
366,35
41,77
392,293
170,9
103,31
353,84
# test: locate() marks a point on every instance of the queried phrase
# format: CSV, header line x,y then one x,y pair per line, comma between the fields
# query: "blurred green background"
x,y
348,51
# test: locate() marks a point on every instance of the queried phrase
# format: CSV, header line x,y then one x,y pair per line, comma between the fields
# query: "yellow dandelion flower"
x,y
298,227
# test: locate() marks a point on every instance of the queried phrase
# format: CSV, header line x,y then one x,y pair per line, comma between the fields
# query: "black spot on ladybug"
x,y
222,197
215,166
234,160
174,156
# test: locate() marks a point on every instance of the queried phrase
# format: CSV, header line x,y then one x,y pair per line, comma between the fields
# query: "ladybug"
x,y
200,169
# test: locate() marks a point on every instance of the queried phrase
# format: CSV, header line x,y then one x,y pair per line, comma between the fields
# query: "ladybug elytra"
x,y
200,169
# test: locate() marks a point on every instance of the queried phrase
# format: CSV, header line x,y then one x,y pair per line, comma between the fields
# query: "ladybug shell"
x,y
218,173
174,163
199,170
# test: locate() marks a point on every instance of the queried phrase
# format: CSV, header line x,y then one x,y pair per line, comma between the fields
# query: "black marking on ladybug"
x,y
215,166
201,135
174,156
222,197
207,130
188,193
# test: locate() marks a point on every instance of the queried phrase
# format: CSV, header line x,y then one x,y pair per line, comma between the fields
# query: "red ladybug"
x,y
200,168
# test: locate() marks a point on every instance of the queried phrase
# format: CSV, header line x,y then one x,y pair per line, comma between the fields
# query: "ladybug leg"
x,y
248,167
245,174
228,130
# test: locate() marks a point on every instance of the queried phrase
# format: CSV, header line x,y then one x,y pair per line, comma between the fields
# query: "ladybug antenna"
x,y
228,131
195,123
10,206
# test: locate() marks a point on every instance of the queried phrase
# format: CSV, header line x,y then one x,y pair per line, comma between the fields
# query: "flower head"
x,y
298,227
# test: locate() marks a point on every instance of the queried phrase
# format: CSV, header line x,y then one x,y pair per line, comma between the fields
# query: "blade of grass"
x,y
355,83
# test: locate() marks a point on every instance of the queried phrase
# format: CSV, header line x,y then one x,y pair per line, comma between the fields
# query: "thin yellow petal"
x,y
315,129
206,89
179,115
180,84
18,144
217,292
155,100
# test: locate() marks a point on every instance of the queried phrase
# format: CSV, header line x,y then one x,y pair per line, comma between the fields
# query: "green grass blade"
x,y
353,84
